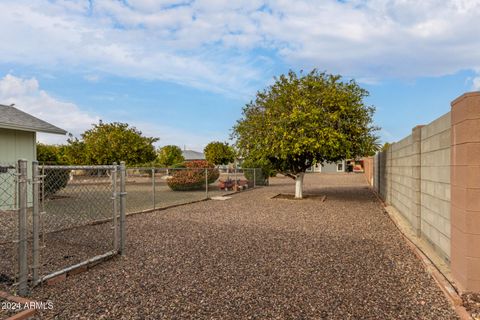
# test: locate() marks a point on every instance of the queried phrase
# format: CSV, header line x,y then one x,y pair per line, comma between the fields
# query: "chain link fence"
x,y
151,188
8,225
55,219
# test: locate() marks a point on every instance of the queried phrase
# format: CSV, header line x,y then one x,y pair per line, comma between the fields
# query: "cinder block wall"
x,y
368,168
465,195
435,184
402,162
414,177
432,177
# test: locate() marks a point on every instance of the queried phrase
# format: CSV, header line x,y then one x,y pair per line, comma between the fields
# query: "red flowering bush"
x,y
193,176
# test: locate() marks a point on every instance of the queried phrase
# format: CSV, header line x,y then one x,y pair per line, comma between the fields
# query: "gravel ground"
x,y
259,258
81,203
471,302
7,309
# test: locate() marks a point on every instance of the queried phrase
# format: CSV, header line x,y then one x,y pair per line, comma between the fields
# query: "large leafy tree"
x,y
306,118
52,154
170,155
112,142
219,153
47,153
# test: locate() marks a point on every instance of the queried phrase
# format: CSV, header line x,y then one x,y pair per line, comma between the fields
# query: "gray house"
x,y
335,167
18,138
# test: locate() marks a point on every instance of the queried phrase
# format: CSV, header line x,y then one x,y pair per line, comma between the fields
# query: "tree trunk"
x,y
299,186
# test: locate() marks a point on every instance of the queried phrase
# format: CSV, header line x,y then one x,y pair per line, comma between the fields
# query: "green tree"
x,y
170,155
47,153
75,152
305,118
219,153
112,142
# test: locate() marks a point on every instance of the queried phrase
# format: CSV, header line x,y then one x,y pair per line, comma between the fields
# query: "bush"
x,y
260,178
263,171
54,181
193,176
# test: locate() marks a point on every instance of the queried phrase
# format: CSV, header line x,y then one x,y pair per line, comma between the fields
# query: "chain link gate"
x,y
9,236
78,217
55,219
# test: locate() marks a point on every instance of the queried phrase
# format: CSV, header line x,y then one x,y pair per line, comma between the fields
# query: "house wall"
x,y
15,145
332,167
327,167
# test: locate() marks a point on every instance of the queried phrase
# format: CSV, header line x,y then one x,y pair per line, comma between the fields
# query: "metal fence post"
x,y
123,206
254,177
235,177
36,221
153,187
115,206
206,183
22,227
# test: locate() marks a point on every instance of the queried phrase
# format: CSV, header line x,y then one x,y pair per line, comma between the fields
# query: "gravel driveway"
x,y
253,257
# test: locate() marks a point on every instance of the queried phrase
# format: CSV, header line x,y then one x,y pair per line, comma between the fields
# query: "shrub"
x,y
193,177
260,178
54,181
263,171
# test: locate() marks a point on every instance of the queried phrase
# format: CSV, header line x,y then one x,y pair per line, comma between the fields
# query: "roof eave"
x,y
30,129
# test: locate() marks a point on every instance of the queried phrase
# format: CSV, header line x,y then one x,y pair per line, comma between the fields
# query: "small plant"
x,y
54,181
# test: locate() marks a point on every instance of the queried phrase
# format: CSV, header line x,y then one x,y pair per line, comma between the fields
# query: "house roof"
x,y
12,118
193,155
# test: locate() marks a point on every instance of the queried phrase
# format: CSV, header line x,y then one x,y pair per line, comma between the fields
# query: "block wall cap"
x,y
464,96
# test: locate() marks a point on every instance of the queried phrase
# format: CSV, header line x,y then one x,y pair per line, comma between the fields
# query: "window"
x,y
340,167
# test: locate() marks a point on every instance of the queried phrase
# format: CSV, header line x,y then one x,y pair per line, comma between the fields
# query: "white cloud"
x,y
170,135
476,84
27,96
213,44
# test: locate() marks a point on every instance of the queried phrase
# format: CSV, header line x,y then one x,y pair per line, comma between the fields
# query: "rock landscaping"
x,y
254,257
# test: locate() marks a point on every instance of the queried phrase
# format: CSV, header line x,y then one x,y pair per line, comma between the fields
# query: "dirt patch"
x,y
286,196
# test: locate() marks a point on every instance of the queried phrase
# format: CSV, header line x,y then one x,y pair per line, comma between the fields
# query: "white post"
x,y
299,185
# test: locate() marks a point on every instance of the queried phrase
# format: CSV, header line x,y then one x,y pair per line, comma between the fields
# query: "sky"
x,y
183,70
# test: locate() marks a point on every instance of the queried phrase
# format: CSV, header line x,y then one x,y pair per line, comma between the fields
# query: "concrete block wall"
x,y
465,191
435,184
432,177
402,163
368,168
415,173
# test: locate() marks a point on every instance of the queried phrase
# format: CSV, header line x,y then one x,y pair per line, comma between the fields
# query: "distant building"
x,y
191,155
338,167
334,167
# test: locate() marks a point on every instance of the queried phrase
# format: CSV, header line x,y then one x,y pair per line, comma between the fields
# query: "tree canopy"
x,y
112,142
51,154
170,155
306,118
219,153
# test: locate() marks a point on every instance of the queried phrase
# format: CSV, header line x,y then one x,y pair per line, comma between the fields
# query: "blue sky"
x,y
183,70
